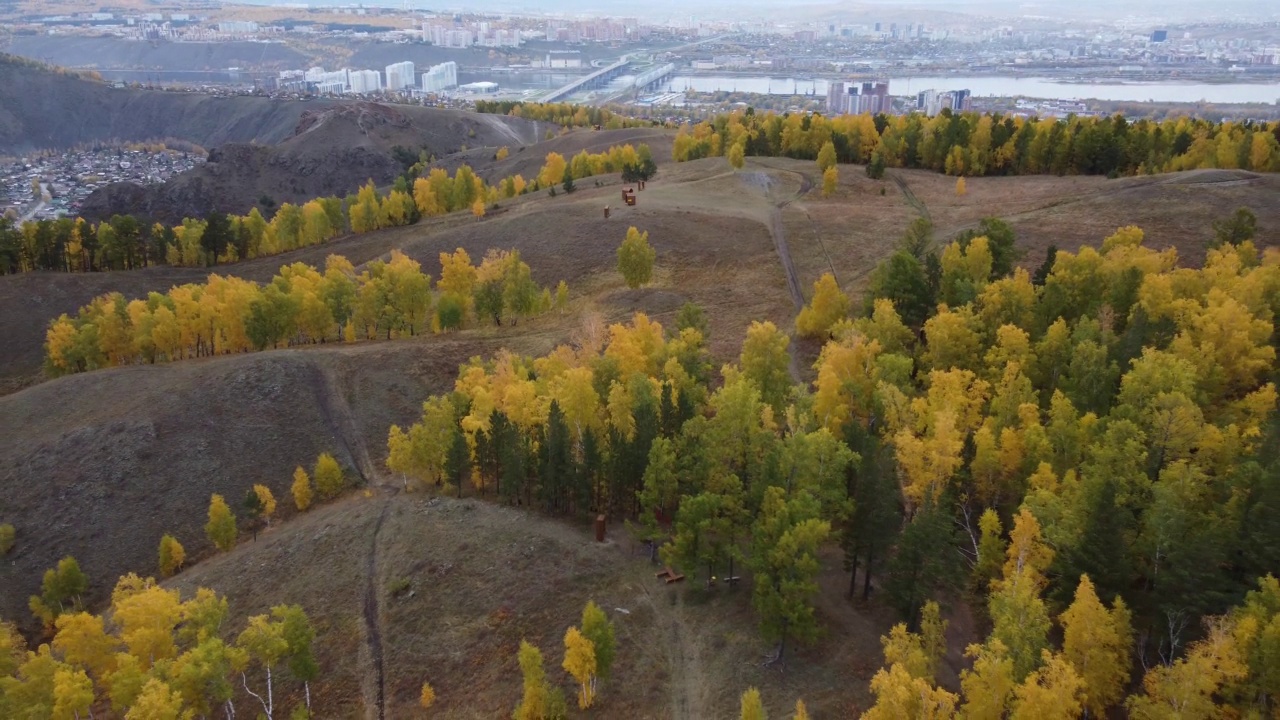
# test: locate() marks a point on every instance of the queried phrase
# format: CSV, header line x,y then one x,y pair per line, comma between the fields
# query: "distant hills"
x,y
284,150
45,109
332,150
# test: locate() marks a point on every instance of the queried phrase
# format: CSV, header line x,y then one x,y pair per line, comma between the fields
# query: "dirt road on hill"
x,y
764,183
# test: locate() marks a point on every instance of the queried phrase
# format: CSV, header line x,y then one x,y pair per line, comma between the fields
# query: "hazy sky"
x,y
1153,12
784,9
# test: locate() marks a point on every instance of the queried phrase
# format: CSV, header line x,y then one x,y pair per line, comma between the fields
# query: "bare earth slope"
x,y
100,465
449,588
332,151
121,456
41,109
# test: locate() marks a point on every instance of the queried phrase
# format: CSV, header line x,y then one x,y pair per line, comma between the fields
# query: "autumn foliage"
x,y
155,655
122,243
1091,443
978,144
300,306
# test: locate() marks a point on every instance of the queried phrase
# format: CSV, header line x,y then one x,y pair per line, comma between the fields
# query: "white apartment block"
x,y
445,36
365,81
400,76
440,77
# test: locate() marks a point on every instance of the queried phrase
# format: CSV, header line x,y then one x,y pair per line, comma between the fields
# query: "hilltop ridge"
x,y
45,109
332,150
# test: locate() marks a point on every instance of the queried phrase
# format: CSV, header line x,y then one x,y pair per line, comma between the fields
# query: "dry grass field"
x,y
858,225
459,583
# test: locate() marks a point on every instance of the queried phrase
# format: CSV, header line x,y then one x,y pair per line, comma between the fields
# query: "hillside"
x,y
41,109
403,588
332,151
129,454
710,228
847,234
111,53
526,160
164,432
456,585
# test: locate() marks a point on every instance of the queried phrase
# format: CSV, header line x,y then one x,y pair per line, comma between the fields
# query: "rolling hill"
x,y
332,151
45,109
448,588
124,473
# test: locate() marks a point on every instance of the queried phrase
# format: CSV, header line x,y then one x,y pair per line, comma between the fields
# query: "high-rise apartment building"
x,y
400,76
835,98
440,77
365,81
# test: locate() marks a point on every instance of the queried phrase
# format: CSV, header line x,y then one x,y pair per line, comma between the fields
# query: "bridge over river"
x,y
604,75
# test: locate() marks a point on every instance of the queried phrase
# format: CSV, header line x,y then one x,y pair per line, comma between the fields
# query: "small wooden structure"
x,y
629,196
606,212
600,526
671,576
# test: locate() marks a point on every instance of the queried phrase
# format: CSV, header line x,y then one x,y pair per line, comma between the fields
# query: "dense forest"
x,y
991,144
1096,441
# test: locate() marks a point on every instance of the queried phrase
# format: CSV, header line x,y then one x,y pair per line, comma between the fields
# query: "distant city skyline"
x,y
1101,10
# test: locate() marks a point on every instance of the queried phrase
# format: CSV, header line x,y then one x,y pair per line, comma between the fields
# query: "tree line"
x,y
977,144
300,306
562,114
153,654
124,243
1119,401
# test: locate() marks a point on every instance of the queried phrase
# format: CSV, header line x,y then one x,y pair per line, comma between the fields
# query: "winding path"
x,y
372,612
762,181
342,425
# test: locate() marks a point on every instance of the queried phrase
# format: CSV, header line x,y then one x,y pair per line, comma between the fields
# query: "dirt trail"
x,y
763,182
687,680
503,128
912,200
342,422
375,686
784,254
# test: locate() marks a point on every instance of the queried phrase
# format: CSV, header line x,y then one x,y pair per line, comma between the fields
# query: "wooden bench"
x,y
670,575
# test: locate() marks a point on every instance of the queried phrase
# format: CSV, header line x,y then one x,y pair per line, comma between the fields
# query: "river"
x,y
1034,87
985,86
